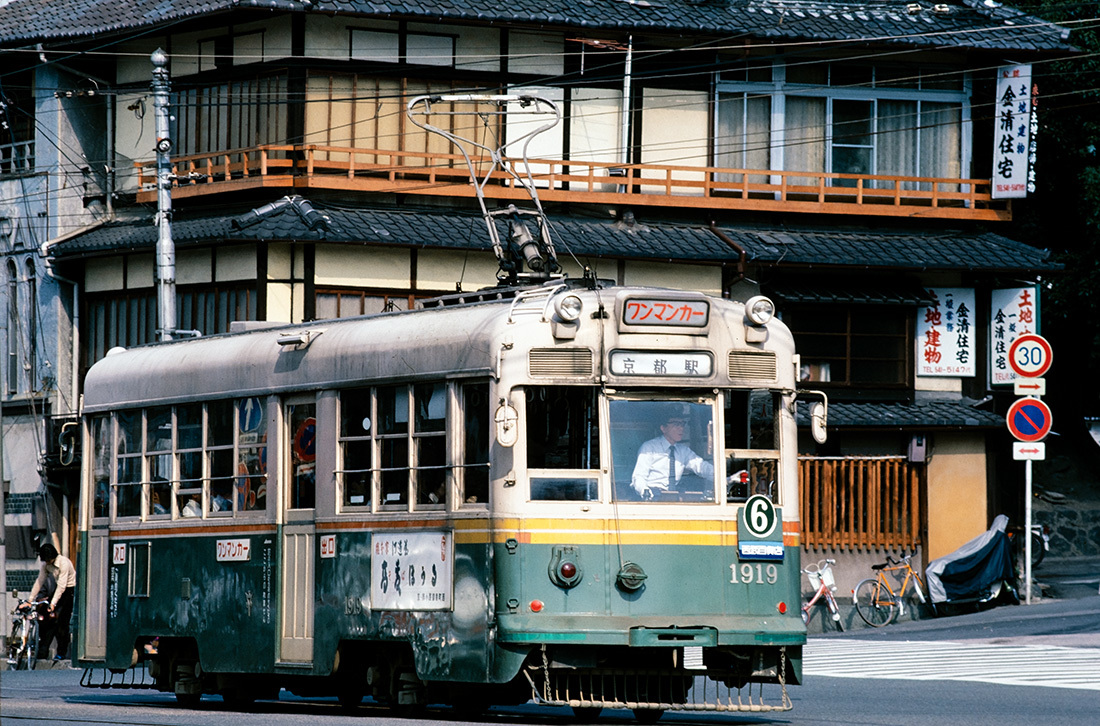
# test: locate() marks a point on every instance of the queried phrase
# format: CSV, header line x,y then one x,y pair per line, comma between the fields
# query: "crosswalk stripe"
x,y
1007,664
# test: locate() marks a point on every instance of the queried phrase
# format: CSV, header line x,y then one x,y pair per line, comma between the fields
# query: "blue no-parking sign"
x,y
1029,419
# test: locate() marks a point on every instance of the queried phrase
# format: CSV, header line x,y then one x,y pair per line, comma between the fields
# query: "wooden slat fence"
x,y
860,503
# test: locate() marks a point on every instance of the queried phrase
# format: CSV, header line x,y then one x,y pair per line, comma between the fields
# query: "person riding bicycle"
x,y
60,568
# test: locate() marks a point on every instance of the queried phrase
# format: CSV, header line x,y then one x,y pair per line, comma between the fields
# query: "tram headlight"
x,y
759,309
568,307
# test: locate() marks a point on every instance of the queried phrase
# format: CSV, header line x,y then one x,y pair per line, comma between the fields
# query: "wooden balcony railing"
x,y
304,167
860,503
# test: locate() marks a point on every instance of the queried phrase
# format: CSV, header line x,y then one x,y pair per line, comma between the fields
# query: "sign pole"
x,y
1029,420
1027,531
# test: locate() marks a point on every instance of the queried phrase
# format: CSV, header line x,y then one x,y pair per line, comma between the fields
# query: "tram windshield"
x,y
668,450
663,450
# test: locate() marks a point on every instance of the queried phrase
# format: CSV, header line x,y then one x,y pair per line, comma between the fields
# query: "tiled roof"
x,y
409,229
961,24
590,238
924,414
852,292
938,250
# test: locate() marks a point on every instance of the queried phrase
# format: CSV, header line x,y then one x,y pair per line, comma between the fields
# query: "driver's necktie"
x,y
672,467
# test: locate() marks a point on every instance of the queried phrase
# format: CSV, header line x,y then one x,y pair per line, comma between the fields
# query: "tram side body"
x,y
224,617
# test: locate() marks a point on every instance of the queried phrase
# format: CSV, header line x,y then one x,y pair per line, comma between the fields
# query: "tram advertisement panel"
x,y
411,571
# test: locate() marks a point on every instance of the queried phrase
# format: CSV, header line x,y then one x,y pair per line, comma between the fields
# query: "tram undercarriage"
x,y
656,680
646,681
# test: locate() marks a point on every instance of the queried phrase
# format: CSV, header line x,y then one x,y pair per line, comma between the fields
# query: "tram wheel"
x,y
648,715
188,700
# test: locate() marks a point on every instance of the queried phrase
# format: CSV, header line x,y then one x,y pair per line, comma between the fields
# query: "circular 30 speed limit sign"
x,y
760,515
1030,355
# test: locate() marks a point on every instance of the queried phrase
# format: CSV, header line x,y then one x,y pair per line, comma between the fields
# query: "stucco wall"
x,y
956,492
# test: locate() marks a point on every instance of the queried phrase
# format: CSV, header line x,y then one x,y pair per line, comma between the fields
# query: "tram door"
x,y
298,500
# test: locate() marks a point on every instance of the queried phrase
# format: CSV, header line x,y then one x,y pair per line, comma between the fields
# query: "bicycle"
x,y
23,643
875,599
820,575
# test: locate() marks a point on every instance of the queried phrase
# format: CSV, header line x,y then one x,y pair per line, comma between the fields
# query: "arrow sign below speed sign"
x,y
1029,419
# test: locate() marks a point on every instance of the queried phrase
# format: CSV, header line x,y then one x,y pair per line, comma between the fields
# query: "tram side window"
x,y
563,433
220,419
128,460
158,455
251,455
562,428
303,455
430,442
189,450
393,433
356,450
751,424
475,443
100,430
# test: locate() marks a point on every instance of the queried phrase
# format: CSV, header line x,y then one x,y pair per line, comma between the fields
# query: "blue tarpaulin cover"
x,y
971,570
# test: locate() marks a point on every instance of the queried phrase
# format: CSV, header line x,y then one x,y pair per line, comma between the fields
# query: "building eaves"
x,y
892,415
425,229
887,248
961,25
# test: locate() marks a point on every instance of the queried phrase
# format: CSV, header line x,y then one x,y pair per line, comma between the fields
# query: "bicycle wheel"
x,y
834,610
1037,550
874,603
32,644
16,647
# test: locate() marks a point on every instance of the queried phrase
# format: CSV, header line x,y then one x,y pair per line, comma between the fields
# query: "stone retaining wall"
x,y
1074,529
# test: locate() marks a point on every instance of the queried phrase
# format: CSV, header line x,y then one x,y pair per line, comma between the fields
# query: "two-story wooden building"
x,y
837,157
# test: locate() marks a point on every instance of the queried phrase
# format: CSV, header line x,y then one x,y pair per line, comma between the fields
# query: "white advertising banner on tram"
x,y
945,333
411,571
1013,312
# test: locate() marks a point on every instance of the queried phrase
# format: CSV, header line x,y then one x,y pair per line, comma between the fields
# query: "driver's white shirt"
x,y
651,470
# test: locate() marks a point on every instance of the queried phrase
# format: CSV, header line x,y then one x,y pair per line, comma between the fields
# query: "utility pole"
x,y
166,250
627,130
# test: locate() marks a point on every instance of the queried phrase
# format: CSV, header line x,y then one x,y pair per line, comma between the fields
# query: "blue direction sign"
x,y
1029,419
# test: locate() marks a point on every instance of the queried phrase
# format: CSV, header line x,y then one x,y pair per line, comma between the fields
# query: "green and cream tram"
x,y
447,506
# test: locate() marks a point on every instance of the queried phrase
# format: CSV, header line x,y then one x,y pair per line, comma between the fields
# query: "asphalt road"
x,y
1007,665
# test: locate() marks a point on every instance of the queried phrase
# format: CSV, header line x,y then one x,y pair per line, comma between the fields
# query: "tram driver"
x,y
664,461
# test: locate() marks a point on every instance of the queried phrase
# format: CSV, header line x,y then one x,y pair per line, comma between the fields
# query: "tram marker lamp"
x,y
759,310
564,569
568,307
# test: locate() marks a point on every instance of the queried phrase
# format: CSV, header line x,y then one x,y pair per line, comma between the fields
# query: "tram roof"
x,y
454,340
338,353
